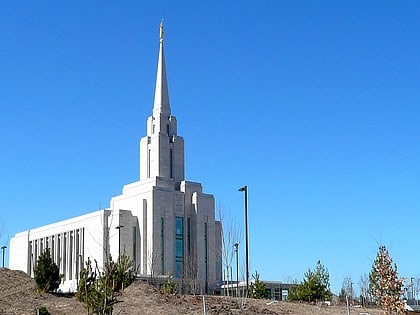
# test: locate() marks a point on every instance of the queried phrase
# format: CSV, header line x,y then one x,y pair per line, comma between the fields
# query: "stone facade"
x,y
163,222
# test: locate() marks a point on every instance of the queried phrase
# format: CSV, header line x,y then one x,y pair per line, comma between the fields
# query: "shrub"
x,y
170,287
47,275
315,286
257,289
43,311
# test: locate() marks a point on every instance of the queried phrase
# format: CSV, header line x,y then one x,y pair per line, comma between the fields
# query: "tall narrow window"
x,y
134,246
65,256
71,256
205,254
148,163
52,251
59,255
167,129
171,173
179,246
162,244
189,236
77,253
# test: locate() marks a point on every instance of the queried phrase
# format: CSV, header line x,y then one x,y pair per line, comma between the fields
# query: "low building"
x,y
276,290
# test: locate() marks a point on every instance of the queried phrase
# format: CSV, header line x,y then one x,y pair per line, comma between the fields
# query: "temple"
x,y
164,223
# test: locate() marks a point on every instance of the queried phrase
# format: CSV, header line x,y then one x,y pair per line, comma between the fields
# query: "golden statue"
x,y
161,31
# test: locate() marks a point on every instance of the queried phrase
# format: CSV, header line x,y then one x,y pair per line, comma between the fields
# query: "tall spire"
x,y
161,103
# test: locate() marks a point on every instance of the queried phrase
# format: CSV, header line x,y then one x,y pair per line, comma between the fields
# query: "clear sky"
x,y
315,105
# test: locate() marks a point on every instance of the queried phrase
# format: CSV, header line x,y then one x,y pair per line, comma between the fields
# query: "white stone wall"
x,y
71,242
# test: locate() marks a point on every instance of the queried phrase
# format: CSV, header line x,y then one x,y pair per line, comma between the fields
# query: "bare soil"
x,y
18,296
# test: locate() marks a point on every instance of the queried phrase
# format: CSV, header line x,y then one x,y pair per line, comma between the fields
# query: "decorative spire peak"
x,y
161,103
161,31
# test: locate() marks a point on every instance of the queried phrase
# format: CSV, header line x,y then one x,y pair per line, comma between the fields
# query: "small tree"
x,y
346,290
170,287
97,291
385,285
86,290
122,272
315,286
364,290
191,276
46,272
257,289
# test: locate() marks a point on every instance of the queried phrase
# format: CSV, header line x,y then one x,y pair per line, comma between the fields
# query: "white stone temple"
x,y
163,222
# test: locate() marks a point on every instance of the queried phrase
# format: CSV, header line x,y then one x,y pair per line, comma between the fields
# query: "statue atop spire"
x,y
161,31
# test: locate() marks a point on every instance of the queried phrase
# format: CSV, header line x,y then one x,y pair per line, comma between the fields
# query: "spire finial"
x,y
161,31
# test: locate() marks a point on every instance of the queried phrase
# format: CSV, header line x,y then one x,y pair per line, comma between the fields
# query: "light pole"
x,y
236,245
245,189
3,248
119,227
412,290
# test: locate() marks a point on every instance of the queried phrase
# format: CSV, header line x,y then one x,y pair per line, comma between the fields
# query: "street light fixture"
x,y
245,189
119,227
3,248
236,245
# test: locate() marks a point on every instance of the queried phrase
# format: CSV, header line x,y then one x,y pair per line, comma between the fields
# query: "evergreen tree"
x,y
257,289
170,287
384,284
96,291
315,286
123,272
46,272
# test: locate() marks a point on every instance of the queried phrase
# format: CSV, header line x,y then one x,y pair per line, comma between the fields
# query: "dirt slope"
x,y
18,297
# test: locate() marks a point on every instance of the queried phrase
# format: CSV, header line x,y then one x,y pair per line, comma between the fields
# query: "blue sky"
x,y
315,105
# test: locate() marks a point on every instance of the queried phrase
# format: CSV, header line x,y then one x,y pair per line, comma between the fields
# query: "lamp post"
x,y
3,248
119,227
412,290
236,245
245,189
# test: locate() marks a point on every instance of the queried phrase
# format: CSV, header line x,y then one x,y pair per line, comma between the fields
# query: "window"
x,y
189,236
134,245
65,256
71,256
59,260
52,252
162,244
171,153
167,129
148,163
205,253
179,246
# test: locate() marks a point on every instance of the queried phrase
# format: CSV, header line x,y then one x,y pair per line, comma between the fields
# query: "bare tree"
x,y
364,290
230,236
191,276
153,265
412,292
346,291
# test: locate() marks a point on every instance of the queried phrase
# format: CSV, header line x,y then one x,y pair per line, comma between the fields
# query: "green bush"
x,y
257,289
96,291
46,272
43,311
315,286
170,287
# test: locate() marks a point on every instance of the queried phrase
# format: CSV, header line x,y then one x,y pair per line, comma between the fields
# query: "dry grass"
x,y
18,296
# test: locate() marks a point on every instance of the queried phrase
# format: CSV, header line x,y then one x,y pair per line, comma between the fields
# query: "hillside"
x,y
17,296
